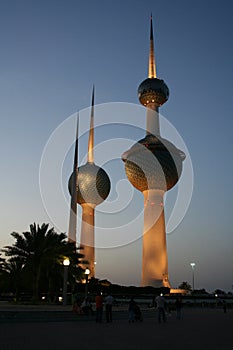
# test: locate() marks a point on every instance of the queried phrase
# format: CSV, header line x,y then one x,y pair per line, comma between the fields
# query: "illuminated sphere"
x,y
153,163
153,90
93,184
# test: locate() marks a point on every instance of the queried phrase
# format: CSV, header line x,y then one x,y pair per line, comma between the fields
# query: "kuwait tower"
x,y
153,166
89,185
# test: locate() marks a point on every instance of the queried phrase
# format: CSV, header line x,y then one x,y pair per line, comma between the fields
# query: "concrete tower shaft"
x,y
154,250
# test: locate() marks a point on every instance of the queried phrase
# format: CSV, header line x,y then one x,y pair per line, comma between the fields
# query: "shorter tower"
x,y
92,188
153,166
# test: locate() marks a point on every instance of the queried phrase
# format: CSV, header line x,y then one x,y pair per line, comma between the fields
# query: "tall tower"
x,y
72,188
92,188
153,166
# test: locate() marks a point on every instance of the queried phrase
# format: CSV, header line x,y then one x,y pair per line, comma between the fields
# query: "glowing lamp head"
x,y
66,262
87,272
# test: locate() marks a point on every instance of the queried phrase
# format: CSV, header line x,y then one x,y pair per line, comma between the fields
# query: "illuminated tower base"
x,y
87,241
154,252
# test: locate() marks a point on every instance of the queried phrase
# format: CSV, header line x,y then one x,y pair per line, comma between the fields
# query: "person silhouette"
x,y
178,304
161,308
99,307
108,307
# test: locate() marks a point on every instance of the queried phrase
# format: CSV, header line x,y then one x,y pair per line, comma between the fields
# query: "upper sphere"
x,y
153,90
93,184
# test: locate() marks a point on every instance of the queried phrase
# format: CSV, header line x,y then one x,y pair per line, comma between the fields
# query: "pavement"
x,y
198,329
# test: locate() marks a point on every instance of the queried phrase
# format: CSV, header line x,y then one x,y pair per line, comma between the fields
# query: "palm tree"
x,y
41,251
2,260
13,272
2,272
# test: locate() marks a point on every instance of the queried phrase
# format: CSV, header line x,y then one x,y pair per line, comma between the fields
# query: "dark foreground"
x,y
199,329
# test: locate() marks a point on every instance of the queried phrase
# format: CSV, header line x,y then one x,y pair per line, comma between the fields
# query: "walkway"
x,y
199,329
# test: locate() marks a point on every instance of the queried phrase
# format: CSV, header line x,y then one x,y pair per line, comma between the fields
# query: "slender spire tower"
x,y
153,166
73,202
92,188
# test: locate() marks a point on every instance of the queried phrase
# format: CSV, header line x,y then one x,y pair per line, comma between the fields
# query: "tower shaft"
x,y
87,241
154,251
73,204
152,120
88,211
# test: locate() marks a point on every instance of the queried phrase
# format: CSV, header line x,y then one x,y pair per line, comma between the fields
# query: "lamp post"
x,y
66,263
193,266
87,272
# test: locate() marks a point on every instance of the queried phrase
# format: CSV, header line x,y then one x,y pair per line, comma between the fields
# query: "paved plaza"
x,y
199,329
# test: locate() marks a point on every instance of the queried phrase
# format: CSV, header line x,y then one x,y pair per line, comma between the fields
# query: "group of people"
x,y
85,307
134,312
162,308
82,307
99,303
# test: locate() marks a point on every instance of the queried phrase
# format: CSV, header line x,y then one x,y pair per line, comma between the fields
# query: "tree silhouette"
x,y
185,285
40,253
13,271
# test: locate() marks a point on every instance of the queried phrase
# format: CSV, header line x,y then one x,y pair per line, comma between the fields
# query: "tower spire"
x,y
73,201
152,66
90,156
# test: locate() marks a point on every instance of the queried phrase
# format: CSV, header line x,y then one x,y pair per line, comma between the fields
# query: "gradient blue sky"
x,y
51,54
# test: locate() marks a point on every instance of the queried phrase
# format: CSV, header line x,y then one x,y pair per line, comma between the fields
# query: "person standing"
x,y
178,308
108,307
131,309
99,307
86,306
161,308
224,306
77,306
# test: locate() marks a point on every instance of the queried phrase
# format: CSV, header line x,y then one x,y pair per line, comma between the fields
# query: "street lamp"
x,y
193,266
66,263
87,272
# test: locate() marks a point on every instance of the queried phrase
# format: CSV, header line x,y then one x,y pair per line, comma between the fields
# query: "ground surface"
x,y
199,329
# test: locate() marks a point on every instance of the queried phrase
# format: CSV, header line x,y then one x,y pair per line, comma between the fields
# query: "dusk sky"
x,y
52,52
